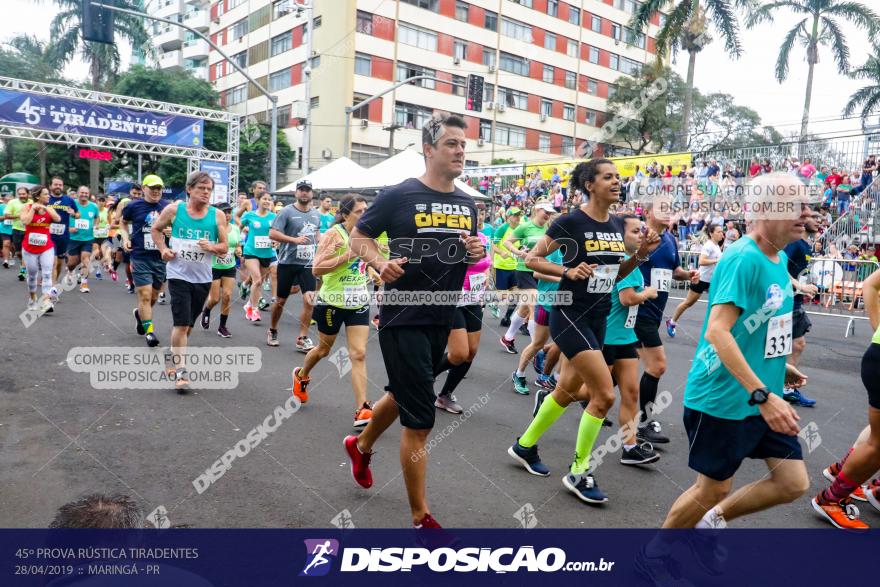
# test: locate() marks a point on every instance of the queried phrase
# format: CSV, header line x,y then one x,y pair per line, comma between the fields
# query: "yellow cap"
x,y
153,181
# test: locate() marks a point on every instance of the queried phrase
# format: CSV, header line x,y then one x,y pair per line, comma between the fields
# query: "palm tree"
x,y
820,26
687,28
866,99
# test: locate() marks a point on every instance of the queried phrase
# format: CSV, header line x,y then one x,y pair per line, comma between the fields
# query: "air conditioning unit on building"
x,y
501,107
456,60
491,69
490,105
617,41
543,117
480,142
365,123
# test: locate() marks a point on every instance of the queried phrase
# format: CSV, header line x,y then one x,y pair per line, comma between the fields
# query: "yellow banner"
x,y
626,166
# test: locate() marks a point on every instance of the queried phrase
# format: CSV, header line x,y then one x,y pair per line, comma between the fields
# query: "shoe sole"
x,y
351,464
520,391
361,423
830,519
578,494
873,500
652,440
647,461
224,335
139,329
153,344
507,349
273,343
525,463
539,399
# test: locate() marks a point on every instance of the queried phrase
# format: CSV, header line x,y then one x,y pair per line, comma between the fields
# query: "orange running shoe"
x,y
300,385
843,515
363,415
831,473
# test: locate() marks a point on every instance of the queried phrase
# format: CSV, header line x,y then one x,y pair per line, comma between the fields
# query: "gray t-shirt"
x,y
294,222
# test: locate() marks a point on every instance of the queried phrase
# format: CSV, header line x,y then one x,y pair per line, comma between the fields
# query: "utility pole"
x,y
393,127
307,72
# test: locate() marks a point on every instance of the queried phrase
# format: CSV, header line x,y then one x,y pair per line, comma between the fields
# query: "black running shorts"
x,y
871,374
330,318
468,317
576,330
290,275
187,300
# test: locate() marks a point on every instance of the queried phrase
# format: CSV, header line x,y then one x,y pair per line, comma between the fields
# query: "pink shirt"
x,y
475,289
808,170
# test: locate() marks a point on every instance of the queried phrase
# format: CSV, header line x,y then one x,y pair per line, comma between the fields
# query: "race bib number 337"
x,y
778,343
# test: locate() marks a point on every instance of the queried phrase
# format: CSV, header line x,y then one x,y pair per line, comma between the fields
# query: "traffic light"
x,y
97,22
474,95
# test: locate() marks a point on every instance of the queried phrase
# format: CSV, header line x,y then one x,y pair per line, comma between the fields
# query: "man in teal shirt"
x,y
327,217
82,236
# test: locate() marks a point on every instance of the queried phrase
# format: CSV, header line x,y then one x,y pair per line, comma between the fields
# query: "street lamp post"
x,y
307,72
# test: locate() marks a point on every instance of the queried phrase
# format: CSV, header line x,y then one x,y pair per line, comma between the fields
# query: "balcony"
x,y
195,49
170,59
166,8
197,19
168,37
200,72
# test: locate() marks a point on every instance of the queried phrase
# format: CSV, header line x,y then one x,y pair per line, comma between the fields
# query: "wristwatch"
x,y
759,396
565,272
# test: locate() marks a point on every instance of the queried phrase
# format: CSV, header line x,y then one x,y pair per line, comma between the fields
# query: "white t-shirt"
x,y
711,251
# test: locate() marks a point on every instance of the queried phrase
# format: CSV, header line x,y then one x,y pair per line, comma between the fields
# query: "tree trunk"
x,y
8,155
812,60
94,164
688,101
43,156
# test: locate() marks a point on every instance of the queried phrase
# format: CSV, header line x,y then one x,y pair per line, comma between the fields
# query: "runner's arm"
x,y
366,248
27,215
326,259
53,214
705,260
221,247
871,294
536,258
544,277
630,297
722,317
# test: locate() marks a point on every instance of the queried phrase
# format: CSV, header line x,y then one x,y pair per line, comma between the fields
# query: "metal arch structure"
x,y
74,138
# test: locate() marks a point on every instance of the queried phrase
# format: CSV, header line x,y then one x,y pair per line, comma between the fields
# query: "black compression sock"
x,y
510,310
223,318
444,365
647,394
456,374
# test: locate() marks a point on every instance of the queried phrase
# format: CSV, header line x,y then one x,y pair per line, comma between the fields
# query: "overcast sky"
x,y
749,79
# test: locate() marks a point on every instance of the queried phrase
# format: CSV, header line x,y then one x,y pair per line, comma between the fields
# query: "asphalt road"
x,y
61,438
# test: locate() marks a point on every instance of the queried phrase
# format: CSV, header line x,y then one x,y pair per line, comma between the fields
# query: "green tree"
x,y
687,28
866,100
821,26
253,159
503,161
645,111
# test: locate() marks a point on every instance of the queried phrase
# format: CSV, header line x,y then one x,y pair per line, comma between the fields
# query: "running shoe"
x,y
300,386
263,304
538,362
53,294
544,381
113,275
670,327
539,399
181,381
255,315
84,286
528,458
272,338
552,381
99,276
843,514
162,298
205,320
360,462
152,341
427,523
859,494
244,290
247,312
524,330
304,344
652,432
130,288
872,493
223,332
448,403
505,322
509,346
139,327
267,285
363,415
640,454
584,487
5,264
520,385
495,310
661,571
22,273
795,397
46,307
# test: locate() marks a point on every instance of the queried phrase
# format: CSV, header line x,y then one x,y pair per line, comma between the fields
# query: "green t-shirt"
x,y
499,262
528,234
762,290
85,224
16,206
382,239
233,236
621,321
546,288
876,338
258,243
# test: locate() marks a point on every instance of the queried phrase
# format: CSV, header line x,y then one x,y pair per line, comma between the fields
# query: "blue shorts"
x,y
148,271
76,248
505,278
61,242
719,446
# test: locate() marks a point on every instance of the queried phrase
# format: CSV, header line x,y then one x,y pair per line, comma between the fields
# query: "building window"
x,y
459,49
574,15
526,3
592,87
490,22
615,31
590,117
315,102
486,130
626,5
421,38
488,92
411,116
241,59
516,30
629,66
512,136
612,89
363,64
426,4
547,108
570,80
488,56
514,64
553,7
568,112
632,38
547,74
279,80
279,8
458,90
662,20
239,29
281,43
594,55
596,24
236,95
316,61
568,146
232,3
283,117
614,62
405,70
544,143
571,48
513,98
550,41
364,22
461,10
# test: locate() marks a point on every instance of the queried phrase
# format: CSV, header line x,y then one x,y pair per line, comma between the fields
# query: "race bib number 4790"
x,y
602,280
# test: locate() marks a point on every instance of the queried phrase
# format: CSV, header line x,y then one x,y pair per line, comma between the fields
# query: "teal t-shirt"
x,y
326,222
257,243
621,321
528,235
547,288
489,232
762,290
5,225
85,224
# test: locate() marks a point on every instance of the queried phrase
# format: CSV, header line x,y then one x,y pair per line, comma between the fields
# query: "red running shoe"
x,y
360,463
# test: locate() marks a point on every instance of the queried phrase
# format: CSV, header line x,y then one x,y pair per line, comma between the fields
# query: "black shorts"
x,y
719,446
5,237
330,318
505,279
187,300
126,256
77,248
700,287
801,323
264,261
871,374
616,352
410,354
290,275
17,239
100,241
526,280
648,333
468,317
576,330
220,273
61,244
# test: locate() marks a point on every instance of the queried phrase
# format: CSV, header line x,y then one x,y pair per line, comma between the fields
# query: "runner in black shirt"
x,y
593,261
432,227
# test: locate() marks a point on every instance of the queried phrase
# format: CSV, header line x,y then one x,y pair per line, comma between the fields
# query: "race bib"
x,y
149,244
227,259
35,239
8,222
602,280
661,279
631,315
778,342
355,296
189,250
262,242
81,224
478,283
56,228
305,252
102,232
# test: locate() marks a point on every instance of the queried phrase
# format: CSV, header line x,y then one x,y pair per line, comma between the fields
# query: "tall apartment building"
x,y
174,47
549,67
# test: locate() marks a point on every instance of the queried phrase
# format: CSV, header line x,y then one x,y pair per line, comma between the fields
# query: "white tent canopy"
x,y
403,166
341,174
